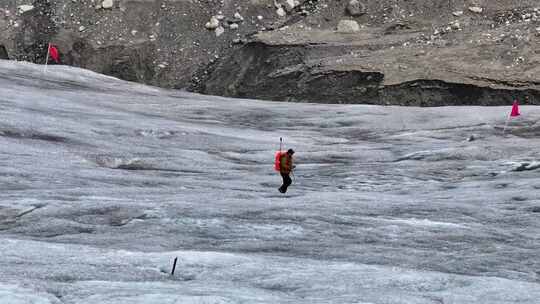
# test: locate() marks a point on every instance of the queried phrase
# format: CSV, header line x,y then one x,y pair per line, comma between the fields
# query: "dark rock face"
x,y
312,73
3,52
279,73
128,63
433,92
410,52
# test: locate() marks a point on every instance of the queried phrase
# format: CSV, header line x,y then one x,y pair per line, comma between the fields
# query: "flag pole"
x,y
513,113
506,124
47,59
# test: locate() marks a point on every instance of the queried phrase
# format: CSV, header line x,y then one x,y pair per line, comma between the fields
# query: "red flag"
x,y
53,52
515,109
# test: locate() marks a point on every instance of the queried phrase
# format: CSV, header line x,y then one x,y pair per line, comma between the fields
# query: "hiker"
x,y
285,168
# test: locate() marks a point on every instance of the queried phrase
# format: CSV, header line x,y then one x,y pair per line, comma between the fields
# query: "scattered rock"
x,y
348,26
234,26
107,4
219,31
239,17
82,28
281,12
212,24
24,8
455,26
476,9
290,5
458,13
355,8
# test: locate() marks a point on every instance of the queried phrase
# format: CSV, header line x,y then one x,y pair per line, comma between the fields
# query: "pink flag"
x,y
515,109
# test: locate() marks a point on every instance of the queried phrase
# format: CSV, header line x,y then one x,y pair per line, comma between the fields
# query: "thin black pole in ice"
x,y
174,266
47,58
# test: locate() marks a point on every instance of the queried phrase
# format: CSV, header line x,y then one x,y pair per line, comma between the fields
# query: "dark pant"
x,y
287,181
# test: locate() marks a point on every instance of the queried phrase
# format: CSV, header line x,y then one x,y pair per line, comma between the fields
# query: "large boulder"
x,y
348,26
476,9
356,8
212,24
21,9
107,4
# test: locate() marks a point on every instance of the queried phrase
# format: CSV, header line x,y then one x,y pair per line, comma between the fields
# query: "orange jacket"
x,y
286,163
